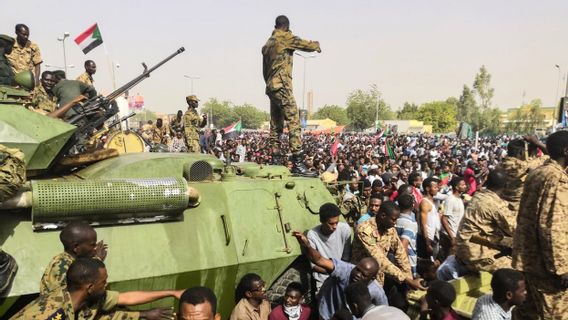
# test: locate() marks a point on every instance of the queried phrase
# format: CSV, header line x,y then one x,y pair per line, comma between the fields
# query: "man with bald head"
x,y
79,240
331,296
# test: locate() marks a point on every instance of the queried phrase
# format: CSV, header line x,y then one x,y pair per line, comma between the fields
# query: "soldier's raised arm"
x,y
297,43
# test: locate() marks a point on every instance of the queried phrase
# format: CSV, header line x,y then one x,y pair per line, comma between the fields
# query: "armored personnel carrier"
x,y
170,220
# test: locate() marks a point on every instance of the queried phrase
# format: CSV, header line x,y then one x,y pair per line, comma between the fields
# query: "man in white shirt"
x,y
452,215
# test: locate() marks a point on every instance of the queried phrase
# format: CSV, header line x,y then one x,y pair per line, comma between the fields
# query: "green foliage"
x,y
467,107
409,111
440,114
143,116
526,119
489,121
250,116
362,108
222,113
333,112
482,86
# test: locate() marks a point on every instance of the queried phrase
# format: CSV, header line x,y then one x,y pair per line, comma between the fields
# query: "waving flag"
x,y
235,127
89,39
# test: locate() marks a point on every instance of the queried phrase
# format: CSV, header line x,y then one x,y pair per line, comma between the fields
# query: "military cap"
x,y
59,74
328,177
7,38
191,98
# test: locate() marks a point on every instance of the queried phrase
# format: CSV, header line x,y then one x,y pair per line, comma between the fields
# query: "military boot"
x,y
8,268
299,167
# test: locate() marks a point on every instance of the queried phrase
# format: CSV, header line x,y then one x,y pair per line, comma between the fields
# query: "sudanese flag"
x,y
89,39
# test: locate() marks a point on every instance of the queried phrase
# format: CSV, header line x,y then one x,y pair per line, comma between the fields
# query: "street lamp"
x,y
115,66
304,90
191,78
62,39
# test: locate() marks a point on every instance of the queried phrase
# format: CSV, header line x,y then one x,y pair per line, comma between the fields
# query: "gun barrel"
x,y
115,94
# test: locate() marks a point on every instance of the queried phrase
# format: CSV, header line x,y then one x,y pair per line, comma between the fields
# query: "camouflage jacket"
x,y
352,207
24,58
57,305
516,171
487,216
54,280
540,244
41,101
191,123
277,58
85,78
176,126
12,172
370,243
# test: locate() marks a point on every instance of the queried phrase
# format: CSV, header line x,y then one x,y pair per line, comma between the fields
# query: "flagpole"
x,y
111,68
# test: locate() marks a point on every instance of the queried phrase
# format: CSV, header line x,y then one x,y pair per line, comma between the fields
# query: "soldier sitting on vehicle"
x,y
86,296
68,94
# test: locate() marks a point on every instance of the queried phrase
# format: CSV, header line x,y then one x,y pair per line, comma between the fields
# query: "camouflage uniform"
x,y
85,78
176,126
24,58
369,243
540,247
277,70
487,216
352,207
41,101
516,171
57,305
191,123
12,172
54,280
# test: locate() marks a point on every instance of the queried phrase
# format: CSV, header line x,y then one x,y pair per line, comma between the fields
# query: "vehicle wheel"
x,y
299,271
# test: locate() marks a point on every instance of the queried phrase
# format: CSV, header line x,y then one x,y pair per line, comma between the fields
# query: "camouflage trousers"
x,y
283,108
193,145
545,299
12,172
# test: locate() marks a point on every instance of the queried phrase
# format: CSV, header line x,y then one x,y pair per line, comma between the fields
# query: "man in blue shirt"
x,y
331,296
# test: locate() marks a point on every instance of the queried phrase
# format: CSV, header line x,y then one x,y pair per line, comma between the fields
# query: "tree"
x,y
333,112
527,118
440,114
222,114
250,116
467,107
483,88
409,111
362,108
490,121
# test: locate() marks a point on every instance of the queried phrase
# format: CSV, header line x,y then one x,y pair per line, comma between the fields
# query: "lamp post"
x,y
62,39
191,78
115,66
304,90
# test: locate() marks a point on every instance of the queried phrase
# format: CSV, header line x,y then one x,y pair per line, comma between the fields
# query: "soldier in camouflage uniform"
x,y
277,71
6,73
488,217
540,245
42,99
176,124
516,167
12,177
192,122
87,76
86,298
26,54
377,238
354,204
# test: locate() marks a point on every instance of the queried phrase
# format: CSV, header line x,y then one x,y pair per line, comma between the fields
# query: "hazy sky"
x,y
415,51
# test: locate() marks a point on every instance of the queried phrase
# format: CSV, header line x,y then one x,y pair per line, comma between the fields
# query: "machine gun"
x,y
92,114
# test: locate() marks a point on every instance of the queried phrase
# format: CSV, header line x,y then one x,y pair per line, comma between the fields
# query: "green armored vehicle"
x,y
170,220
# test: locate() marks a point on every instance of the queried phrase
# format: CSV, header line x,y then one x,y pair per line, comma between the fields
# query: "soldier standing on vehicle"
x,y
540,244
12,177
176,124
87,76
277,71
26,54
192,122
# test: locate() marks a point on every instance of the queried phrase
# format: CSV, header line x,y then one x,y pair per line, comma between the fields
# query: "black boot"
x,y
8,268
299,167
